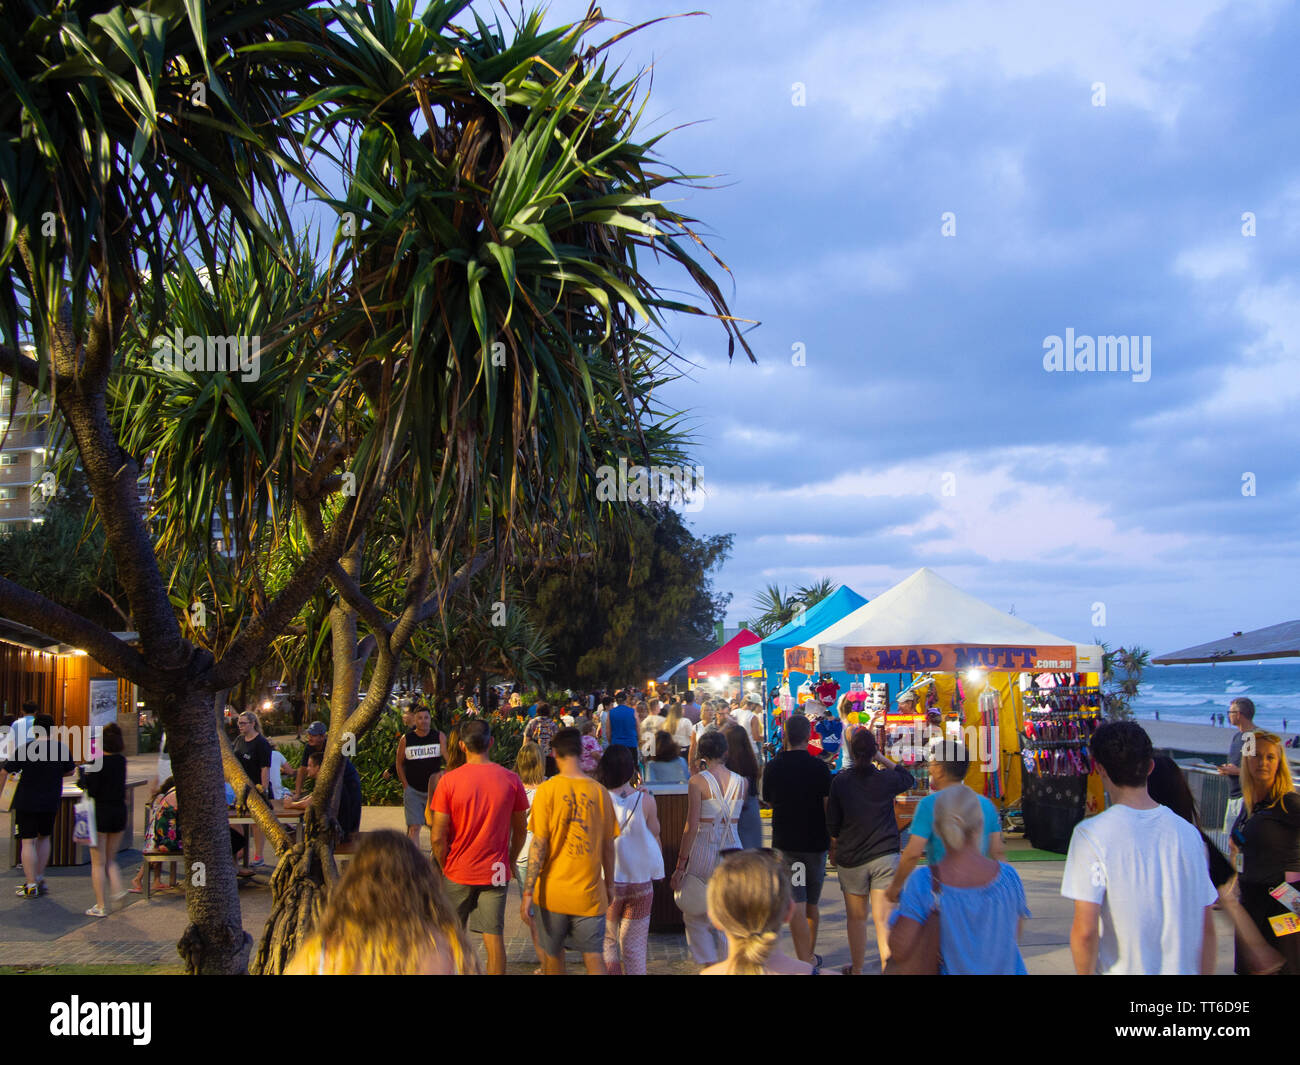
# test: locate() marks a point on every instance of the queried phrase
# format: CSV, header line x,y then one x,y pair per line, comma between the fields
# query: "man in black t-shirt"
x,y
796,785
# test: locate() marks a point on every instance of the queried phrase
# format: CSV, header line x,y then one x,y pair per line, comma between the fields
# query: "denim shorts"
x,y
807,875
414,803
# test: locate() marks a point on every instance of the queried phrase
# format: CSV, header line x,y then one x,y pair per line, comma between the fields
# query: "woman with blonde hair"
x,y
678,727
455,757
531,767
983,901
750,901
388,916
1266,834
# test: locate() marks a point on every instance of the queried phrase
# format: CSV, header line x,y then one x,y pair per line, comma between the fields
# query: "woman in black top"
x,y
1168,787
864,840
1266,834
254,754
740,759
107,786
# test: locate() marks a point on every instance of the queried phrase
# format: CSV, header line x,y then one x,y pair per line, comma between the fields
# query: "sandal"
x,y
97,911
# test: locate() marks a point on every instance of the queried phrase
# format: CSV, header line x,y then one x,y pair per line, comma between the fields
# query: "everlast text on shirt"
x,y
425,750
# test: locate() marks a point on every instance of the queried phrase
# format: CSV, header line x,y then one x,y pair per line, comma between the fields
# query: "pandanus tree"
x,y
461,358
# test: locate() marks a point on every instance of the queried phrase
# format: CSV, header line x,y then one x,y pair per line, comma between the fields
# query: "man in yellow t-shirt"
x,y
571,861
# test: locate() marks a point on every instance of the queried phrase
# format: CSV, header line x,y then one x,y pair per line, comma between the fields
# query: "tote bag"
x,y
83,823
8,792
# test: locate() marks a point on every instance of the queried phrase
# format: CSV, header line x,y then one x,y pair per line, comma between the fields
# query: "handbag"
x,y
83,823
693,896
8,792
925,957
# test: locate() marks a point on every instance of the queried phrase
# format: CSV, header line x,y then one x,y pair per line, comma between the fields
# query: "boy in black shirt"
x,y
796,785
42,763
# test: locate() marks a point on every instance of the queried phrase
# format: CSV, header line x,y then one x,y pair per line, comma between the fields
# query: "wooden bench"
x,y
173,860
344,851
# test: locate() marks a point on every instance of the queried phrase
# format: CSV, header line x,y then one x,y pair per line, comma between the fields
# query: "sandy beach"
x,y
1178,736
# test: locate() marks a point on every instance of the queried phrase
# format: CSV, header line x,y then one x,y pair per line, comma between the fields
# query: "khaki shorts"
x,y
874,875
480,907
583,934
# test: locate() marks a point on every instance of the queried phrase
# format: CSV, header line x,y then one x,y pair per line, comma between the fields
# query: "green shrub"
x,y
376,755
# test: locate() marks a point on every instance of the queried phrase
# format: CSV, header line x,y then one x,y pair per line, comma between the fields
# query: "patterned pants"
x,y
627,926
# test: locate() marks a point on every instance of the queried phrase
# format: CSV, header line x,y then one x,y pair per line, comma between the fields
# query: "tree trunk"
x,y
299,887
215,941
305,874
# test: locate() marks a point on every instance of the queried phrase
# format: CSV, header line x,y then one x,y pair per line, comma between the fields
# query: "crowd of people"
x,y
573,828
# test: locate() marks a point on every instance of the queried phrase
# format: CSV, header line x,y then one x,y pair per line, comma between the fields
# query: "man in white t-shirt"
x,y
748,717
1137,873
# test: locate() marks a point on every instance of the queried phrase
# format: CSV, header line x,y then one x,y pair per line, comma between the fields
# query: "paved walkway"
x,y
54,930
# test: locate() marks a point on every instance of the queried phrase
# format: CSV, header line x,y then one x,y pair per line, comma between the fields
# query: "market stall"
x,y
723,665
1022,700
767,657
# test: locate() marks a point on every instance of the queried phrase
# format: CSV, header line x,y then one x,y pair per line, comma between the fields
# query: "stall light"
x,y
974,675
267,704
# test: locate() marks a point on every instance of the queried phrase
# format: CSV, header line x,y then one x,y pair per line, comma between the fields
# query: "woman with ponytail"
x,y
749,900
983,901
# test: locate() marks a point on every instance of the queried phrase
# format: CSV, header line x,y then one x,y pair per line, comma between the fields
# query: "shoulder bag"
x,y
925,956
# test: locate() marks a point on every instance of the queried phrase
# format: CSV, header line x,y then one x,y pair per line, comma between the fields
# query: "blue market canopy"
x,y
769,654
1275,641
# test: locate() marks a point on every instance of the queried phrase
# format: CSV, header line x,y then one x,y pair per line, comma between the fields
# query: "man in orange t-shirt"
x,y
571,863
477,825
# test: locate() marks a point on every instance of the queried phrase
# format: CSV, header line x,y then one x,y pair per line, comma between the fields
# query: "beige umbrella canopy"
x,y
1275,641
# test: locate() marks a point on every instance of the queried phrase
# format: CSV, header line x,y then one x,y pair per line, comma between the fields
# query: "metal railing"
x,y
1211,791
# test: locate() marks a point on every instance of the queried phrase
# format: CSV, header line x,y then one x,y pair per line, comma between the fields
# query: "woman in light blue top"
x,y
667,766
981,902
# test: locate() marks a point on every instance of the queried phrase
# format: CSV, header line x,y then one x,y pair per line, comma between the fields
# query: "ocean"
x,y
1191,693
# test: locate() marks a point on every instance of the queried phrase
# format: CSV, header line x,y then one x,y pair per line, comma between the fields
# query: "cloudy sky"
x,y
1097,160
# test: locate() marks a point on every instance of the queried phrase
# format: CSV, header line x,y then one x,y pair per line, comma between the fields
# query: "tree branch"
x,y
35,611
13,363
251,644
430,605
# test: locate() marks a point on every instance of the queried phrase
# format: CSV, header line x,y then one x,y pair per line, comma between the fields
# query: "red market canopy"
x,y
726,659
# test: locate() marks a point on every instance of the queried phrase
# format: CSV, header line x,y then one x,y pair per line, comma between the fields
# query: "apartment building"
x,y
24,450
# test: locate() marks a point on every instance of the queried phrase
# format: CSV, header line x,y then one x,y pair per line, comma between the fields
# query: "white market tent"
x,y
925,623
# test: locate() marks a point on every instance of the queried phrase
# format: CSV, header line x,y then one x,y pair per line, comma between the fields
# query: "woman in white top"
x,y
705,723
650,724
680,728
638,861
531,767
714,799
